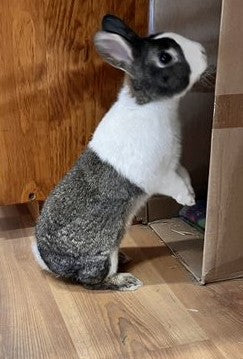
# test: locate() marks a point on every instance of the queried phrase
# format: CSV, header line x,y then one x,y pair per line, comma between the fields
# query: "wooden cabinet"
x,y
54,88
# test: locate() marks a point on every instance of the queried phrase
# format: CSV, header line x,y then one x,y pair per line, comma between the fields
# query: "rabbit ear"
x,y
114,49
111,23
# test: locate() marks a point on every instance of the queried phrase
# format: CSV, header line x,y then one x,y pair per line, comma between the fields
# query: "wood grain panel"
x,y
23,100
205,350
54,89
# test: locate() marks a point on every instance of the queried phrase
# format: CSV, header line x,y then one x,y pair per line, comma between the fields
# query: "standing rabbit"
x,y
134,154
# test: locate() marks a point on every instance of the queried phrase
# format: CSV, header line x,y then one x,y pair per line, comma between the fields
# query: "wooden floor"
x,y
170,317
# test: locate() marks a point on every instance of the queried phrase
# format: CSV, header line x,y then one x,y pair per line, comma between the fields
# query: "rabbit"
x,y
134,153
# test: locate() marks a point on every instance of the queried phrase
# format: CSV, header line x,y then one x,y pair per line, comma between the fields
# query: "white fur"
x,y
114,255
140,142
38,258
114,263
143,142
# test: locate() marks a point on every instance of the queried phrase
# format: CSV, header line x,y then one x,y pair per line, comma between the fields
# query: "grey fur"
x,y
83,221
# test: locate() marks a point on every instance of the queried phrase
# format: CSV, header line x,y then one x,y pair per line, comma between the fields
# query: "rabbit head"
x,y
158,66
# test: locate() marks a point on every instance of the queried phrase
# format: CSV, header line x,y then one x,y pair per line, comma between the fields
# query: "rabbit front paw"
x,y
187,199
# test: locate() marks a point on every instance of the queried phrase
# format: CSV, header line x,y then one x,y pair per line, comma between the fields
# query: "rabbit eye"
x,y
165,58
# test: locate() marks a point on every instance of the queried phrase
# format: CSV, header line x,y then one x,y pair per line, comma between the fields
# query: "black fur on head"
x,y
156,67
112,23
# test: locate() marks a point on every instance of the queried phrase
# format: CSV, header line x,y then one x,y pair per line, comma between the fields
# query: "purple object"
x,y
196,214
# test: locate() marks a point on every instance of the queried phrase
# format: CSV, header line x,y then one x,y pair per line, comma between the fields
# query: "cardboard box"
x,y
213,140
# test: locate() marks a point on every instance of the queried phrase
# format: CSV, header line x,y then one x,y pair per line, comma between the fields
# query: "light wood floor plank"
x,y
170,317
